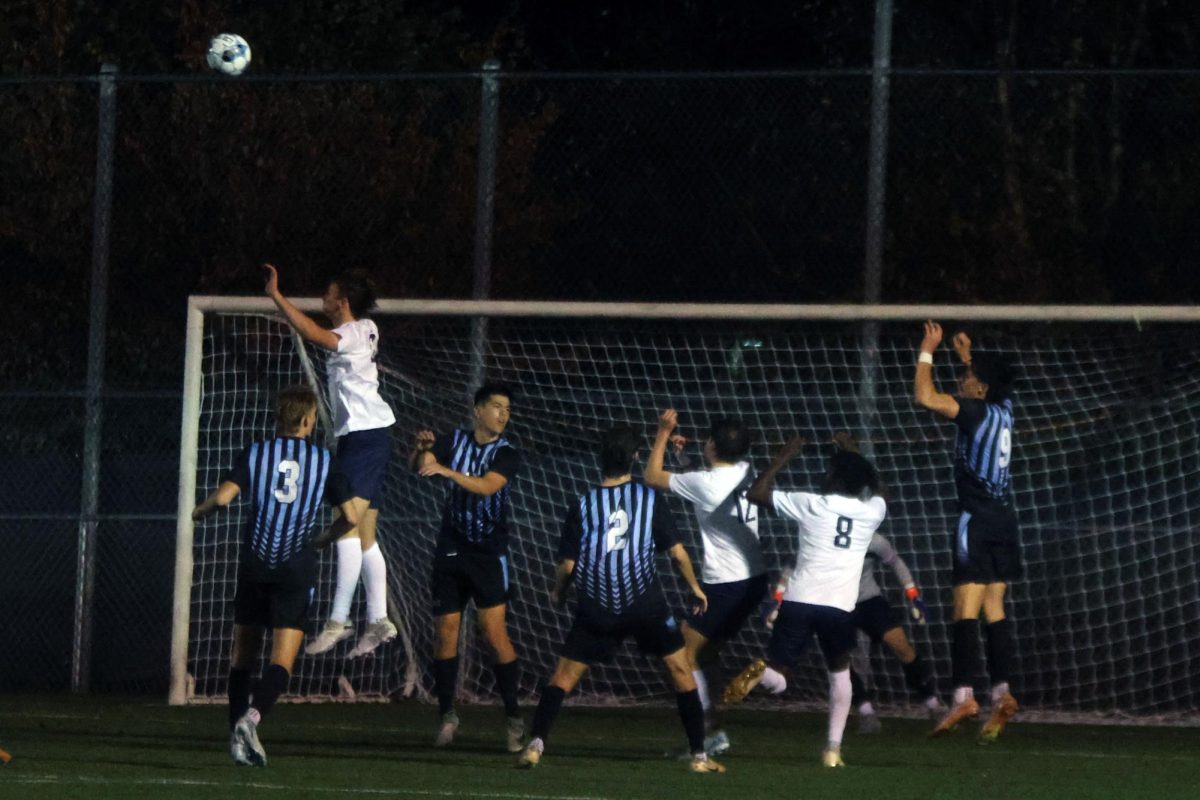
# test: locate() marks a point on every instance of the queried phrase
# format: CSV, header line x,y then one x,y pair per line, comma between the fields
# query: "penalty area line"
x,y
89,780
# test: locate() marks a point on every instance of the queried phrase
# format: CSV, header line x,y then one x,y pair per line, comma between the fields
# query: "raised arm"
x,y
760,491
654,474
683,565
308,329
924,392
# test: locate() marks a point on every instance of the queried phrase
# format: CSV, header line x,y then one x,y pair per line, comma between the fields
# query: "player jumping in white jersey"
x,y
362,422
835,529
734,575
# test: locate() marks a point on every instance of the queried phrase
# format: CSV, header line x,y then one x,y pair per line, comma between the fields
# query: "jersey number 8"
x,y
844,526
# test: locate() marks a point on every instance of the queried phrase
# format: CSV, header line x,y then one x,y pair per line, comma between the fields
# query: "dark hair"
x,y
730,439
618,446
851,475
489,389
357,289
292,405
997,373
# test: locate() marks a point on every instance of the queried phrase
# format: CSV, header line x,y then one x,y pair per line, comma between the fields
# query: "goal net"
x,y
1105,468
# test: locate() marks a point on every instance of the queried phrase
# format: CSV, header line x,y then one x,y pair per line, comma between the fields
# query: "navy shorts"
x,y
875,617
986,549
462,577
595,637
728,606
363,458
271,605
794,629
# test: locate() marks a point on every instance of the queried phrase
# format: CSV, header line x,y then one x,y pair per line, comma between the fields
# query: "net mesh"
x,y
1105,457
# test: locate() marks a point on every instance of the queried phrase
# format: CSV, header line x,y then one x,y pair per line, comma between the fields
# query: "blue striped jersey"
x,y
612,534
286,479
473,521
983,451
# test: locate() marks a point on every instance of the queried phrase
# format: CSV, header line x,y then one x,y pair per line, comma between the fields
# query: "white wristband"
x,y
925,358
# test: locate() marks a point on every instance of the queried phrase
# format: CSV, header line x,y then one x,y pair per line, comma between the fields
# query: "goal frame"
x,y
199,306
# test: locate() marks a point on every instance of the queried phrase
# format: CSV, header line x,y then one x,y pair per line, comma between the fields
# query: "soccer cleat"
x,y
960,711
515,733
702,763
446,729
246,731
832,758
5,757
380,631
331,634
934,708
531,754
1002,711
869,723
716,743
745,680
237,750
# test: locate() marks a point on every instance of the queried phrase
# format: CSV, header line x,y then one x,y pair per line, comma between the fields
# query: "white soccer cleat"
x,y
246,731
237,750
716,743
515,734
380,631
531,754
869,723
331,634
446,729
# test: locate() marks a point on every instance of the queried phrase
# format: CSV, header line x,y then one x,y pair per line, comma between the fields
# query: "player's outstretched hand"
x,y
199,513
962,346
791,447
933,337
668,420
433,468
272,287
919,612
423,440
678,442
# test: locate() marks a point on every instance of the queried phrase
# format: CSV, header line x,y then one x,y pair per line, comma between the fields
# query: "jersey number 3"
x,y
618,527
288,478
844,526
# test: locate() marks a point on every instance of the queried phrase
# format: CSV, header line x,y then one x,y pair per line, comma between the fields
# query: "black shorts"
x,y
795,626
594,637
363,458
986,549
272,605
728,606
462,577
875,617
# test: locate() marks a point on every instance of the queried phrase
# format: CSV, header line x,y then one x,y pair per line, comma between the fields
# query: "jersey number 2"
x,y
289,477
618,527
844,526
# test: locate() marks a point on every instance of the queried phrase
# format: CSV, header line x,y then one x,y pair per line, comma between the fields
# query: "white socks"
x,y
866,709
839,706
962,694
774,682
349,565
374,577
702,688
999,690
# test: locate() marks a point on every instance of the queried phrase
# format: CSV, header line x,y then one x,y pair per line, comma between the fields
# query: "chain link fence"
x,y
1004,187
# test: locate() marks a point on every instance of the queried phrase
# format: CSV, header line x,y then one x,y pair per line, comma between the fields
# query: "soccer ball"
x,y
228,54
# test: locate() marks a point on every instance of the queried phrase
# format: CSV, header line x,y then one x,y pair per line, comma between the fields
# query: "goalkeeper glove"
x,y
770,607
918,612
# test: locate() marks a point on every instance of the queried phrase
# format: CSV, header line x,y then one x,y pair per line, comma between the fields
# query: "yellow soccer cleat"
x,y
745,680
703,763
832,758
1002,711
5,757
531,755
959,712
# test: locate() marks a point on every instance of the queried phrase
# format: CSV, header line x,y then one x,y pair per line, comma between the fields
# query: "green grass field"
x,y
100,747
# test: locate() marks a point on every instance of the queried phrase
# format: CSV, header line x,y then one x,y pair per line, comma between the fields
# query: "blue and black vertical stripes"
x,y
617,547
287,479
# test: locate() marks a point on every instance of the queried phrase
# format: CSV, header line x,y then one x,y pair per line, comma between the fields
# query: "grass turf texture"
x,y
105,747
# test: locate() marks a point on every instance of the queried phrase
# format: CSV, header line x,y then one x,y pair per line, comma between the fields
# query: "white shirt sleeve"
x,y
350,338
691,486
790,504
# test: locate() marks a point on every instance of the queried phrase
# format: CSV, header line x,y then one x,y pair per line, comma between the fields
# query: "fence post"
x,y
868,406
81,645
485,213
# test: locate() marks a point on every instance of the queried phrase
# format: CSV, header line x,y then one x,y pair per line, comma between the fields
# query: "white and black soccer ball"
x,y
228,54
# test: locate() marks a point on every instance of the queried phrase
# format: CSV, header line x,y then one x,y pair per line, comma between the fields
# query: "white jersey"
x,y
728,521
354,380
835,532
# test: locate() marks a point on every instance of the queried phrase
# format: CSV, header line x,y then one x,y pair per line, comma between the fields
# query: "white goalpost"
x,y
1106,469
